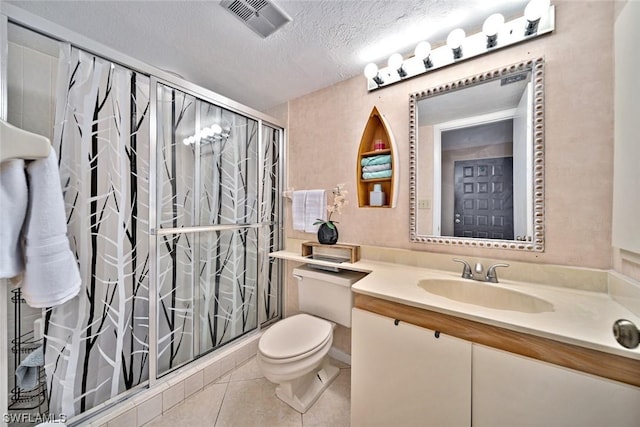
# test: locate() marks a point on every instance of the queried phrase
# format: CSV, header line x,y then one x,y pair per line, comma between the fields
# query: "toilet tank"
x,y
326,294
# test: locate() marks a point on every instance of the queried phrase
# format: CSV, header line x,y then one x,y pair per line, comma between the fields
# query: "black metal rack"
x,y
22,344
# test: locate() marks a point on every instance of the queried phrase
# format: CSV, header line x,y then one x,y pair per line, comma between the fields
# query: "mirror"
x,y
477,160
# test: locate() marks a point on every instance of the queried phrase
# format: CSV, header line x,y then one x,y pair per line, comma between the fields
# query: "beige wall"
x,y
325,129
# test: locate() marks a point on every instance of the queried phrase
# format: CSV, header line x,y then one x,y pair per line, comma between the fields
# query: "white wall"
x,y
626,184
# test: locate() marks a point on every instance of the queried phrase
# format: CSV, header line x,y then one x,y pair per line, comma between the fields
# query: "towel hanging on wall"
x,y
51,274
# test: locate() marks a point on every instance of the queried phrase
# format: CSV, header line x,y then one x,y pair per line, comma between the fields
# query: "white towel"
x,y
51,271
13,209
27,372
297,209
315,207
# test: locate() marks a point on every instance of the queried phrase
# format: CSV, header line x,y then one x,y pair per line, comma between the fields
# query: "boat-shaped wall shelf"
x,y
512,32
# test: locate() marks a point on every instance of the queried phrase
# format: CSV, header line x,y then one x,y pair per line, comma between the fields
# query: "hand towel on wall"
x,y
297,209
315,208
51,271
13,209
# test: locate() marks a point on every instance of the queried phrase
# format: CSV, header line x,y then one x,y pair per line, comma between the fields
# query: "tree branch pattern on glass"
x,y
96,345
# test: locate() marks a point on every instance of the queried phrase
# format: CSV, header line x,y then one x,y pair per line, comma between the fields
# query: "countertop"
x,y
582,318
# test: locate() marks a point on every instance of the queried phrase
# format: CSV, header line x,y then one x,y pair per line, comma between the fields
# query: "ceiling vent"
x,y
261,16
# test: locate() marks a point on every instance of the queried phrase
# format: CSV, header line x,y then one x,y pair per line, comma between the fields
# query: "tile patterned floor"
x,y
244,398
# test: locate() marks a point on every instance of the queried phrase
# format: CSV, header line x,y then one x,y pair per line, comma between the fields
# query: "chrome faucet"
x,y
466,270
491,275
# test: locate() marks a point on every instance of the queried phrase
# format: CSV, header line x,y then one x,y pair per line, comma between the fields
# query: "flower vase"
x,y
327,235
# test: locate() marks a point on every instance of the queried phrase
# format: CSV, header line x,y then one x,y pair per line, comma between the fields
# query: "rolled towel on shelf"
x,y
377,175
27,374
376,168
376,160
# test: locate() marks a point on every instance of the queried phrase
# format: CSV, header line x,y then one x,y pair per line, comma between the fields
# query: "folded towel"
x,y
297,209
13,209
315,208
376,168
51,271
376,175
376,160
27,372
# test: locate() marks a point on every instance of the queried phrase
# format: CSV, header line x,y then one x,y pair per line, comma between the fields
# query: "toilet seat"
x,y
295,337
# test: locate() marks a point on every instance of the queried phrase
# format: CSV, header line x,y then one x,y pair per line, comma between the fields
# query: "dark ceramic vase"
x,y
327,235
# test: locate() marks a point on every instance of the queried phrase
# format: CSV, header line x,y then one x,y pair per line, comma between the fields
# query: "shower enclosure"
x,y
217,219
173,204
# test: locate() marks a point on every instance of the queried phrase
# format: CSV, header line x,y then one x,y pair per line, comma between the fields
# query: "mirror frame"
x,y
537,75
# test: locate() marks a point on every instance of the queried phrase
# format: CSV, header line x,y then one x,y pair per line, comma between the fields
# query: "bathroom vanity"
x,y
431,360
431,348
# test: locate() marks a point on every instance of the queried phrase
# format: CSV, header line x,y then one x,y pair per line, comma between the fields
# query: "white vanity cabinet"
x,y
403,375
512,390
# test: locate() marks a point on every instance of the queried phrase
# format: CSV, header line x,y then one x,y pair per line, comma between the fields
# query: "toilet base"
x,y
303,392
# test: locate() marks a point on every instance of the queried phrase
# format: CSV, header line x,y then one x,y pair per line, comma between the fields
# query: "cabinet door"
x,y
402,375
512,390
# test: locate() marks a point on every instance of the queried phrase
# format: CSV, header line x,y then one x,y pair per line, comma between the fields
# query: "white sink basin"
x,y
485,295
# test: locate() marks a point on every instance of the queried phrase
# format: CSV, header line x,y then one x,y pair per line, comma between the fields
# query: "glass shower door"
x,y
210,233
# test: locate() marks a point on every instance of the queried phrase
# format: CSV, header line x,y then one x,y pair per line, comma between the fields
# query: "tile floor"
x,y
244,398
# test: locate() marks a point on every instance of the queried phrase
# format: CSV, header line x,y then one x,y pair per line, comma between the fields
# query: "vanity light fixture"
x,y
454,41
491,28
538,19
396,63
532,13
423,51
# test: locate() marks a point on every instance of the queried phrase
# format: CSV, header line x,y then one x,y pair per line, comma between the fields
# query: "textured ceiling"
x,y
327,41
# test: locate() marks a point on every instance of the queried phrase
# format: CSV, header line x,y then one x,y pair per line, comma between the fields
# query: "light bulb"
x,y
535,9
395,61
186,141
371,70
493,24
455,38
423,50
216,129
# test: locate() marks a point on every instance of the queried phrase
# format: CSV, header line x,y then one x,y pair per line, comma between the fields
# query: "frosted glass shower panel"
x,y
228,283
176,294
208,187
228,167
176,160
270,231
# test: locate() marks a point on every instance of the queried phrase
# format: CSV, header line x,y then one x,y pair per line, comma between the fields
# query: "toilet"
x,y
293,352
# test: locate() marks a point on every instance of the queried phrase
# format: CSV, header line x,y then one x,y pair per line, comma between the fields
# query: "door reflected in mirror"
x,y
476,153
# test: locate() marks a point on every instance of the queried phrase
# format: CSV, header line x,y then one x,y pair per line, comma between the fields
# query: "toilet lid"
x,y
294,336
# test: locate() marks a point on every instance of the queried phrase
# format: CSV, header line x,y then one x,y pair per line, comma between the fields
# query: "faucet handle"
x,y
492,276
466,271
